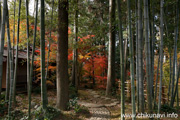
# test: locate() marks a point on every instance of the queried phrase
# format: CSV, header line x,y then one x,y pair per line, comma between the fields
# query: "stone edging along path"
x,y
98,110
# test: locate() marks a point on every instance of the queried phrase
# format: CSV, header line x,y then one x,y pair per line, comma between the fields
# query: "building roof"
x,y
21,54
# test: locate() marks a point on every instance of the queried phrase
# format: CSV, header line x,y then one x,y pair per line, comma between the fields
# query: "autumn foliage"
x,y
93,62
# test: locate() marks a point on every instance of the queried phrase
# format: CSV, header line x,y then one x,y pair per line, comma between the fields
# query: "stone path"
x,y
99,113
99,110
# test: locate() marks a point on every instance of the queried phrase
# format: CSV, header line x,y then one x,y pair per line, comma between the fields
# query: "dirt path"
x,y
97,104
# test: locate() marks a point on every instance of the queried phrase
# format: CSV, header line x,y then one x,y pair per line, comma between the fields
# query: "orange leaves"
x,y
38,28
70,56
83,39
96,64
69,31
52,68
37,51
101,81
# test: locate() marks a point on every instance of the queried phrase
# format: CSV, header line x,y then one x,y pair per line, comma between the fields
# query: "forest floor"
x,y
94,105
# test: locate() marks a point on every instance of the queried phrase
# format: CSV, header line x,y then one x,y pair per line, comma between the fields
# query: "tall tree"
x,y
2,42
131,53
140,57
14,30
11,66
75,52
7,76
33,51
42,42
16,60
148,60
161,53
121,59
137,63
111,52
28,65
157,76
175,56
152,43
49,39
62,56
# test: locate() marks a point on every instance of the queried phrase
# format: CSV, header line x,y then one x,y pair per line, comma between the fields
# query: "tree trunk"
x,y
16,60
33,52
111,55
11,66
161,54
49,40
137,70
148,59
42,44
121,59
170,80
140,57
7,76
157,75
62,56
176,89
2,42
175,56
14,31
28,66
152,48
75,52
131,53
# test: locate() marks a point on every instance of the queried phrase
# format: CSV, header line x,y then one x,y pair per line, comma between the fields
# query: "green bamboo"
x,y
140,57
161,54
170,64
28,64
14,30
11,67
121,59
137,70
49,40
176,88
153,47
2,42
157,75
0,50
7,75
42,42
148,59
33,52
131,54
175,56
16,60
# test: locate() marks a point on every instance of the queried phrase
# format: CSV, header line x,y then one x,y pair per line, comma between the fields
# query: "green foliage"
x,y
49,114
37,90
82,110
167,108
3,106
72,92
73,104
16,115
3,96
114,89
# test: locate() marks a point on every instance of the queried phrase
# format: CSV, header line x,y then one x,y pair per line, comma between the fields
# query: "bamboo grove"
x,y
105,43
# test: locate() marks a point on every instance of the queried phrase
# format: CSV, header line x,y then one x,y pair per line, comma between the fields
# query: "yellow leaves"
x,y
50,83
52,67
88,55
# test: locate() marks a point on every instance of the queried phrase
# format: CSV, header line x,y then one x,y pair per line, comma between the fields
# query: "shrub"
x,y
49,114
167,108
